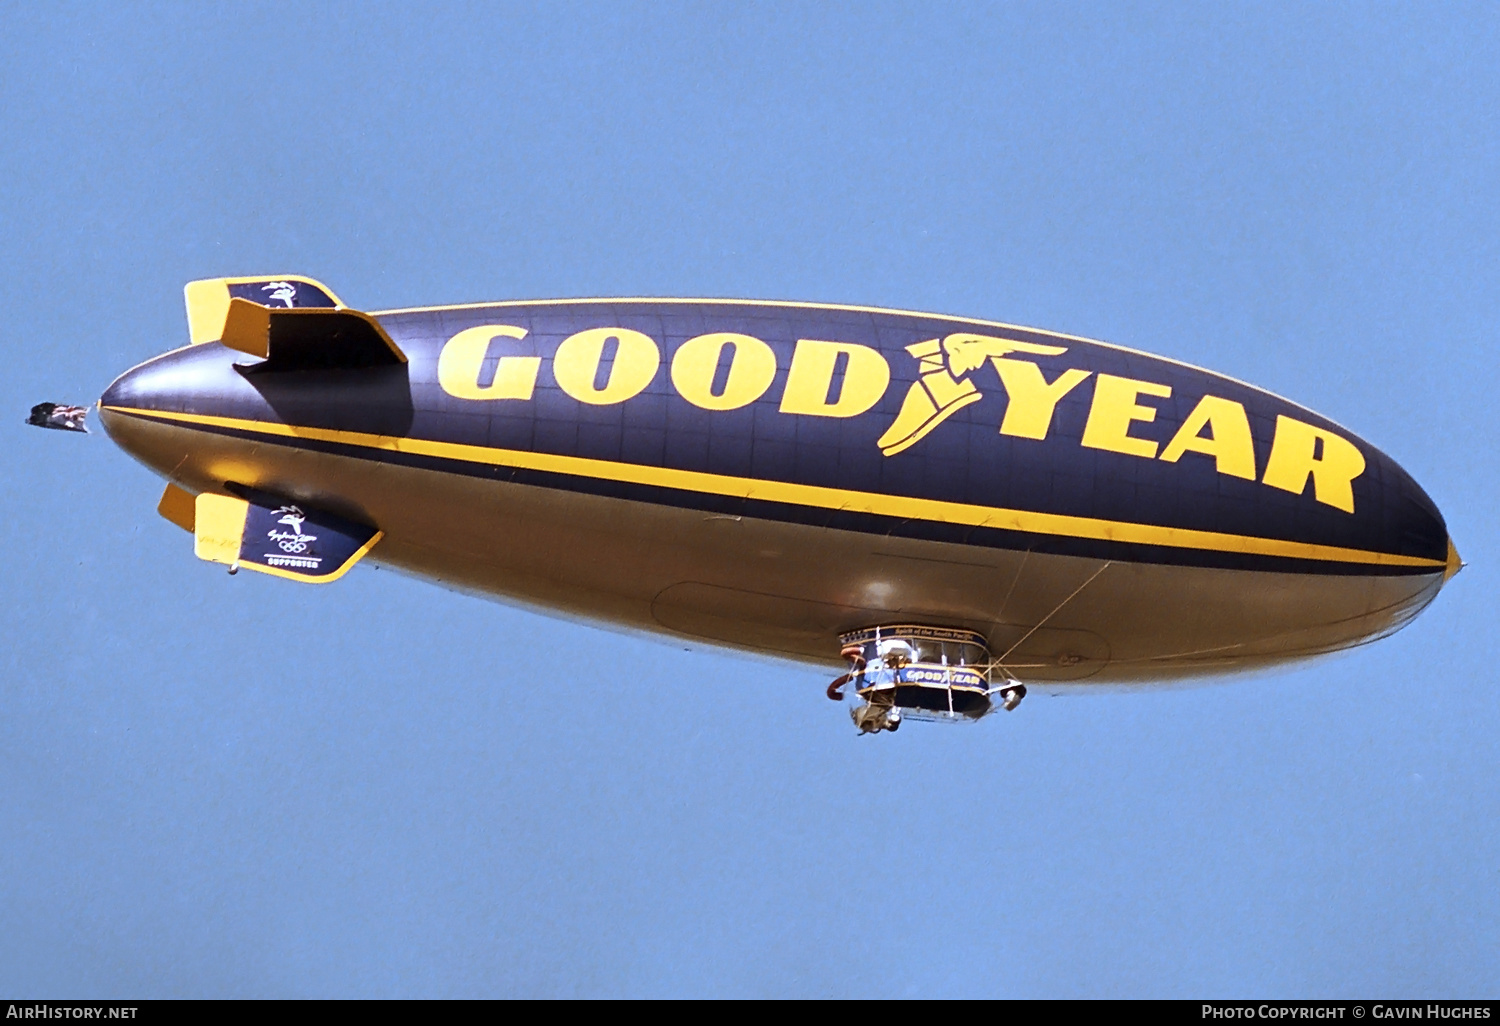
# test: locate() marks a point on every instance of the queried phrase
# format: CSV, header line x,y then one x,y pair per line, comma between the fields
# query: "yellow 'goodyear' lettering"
x,y
695,365
578,361
1115,409
813,385
1229,441
1300,450
1033,399
728,371
461,365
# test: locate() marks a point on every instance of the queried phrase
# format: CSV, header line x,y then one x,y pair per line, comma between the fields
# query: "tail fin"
x,y
307,338
264,532
208,299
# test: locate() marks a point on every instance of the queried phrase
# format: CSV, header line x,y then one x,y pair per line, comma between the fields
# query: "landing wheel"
x,y
1011,697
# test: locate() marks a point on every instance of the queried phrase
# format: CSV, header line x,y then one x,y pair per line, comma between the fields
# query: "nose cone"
x,y
126,391
196,380
171,411
182,381
1410,523
1403,519
1419,524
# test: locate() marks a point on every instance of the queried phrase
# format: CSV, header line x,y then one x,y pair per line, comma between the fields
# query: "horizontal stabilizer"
x,y
307,338
265,534
208,299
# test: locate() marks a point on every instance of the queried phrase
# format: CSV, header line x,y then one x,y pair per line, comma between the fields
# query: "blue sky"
x,y
216,787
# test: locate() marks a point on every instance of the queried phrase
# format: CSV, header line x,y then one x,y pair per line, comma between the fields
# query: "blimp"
x,y
938,511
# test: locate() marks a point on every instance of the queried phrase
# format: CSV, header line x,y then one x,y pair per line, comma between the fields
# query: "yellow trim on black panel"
x,y
844,500
292,575
208,301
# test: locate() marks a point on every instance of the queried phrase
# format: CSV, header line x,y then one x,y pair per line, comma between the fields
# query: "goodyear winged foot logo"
x,y
943,386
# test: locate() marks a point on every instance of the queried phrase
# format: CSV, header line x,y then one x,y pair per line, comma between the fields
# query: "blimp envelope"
x,y
772,476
